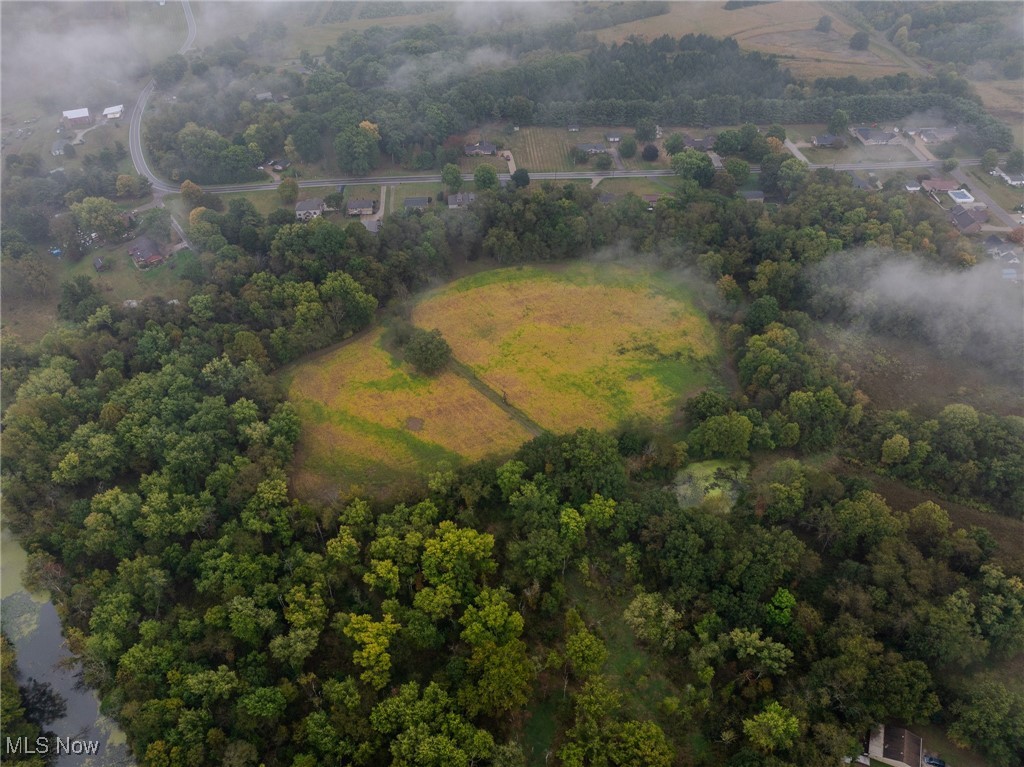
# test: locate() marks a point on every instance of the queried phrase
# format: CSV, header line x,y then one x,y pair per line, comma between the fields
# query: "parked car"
x,y
934,761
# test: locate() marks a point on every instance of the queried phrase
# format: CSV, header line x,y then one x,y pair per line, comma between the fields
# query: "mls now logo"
x,y
27,746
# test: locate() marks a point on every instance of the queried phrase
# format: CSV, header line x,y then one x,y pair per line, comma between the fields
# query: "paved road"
x,y
160,187
998,216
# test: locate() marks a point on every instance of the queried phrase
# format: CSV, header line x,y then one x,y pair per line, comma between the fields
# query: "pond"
x,y
30,621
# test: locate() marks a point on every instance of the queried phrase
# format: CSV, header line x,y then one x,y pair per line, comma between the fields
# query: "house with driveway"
x,y
306,210
361,207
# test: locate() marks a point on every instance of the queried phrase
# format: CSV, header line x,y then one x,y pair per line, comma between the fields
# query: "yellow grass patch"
x,y
582,346
369,419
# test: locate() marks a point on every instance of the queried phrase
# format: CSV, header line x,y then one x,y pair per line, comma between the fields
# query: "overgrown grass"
x,y
584,345
370,421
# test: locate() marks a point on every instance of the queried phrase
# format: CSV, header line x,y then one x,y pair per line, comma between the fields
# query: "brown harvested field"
x,y
1005,99
582,345
785,29
369,420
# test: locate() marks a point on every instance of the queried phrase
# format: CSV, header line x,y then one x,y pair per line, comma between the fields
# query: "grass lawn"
x,y
370,421
638,186
857,152
1007,196
582,345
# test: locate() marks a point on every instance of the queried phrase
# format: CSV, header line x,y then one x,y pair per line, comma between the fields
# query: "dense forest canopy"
x,y
567,601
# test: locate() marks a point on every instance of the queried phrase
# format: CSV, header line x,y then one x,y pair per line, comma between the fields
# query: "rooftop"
x,y
314,203
74,114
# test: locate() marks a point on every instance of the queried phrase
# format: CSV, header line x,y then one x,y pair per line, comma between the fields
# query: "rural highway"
x,y
160,187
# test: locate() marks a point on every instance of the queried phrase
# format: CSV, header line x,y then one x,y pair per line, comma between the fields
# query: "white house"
x,y
307,210
1013,179
114,113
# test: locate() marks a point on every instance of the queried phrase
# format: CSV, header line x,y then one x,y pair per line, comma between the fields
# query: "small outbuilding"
x,y
461,200
416,203
77,118
114,113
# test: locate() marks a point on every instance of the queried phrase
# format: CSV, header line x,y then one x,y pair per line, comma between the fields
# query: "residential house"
x,y
145,253
306,210
58,147
968,220
416,203
937,135
896,747
701,144
372,225
574,128
613,138
607,198
874,136
828,140
77,118
265,96
1013,179
592,149
859,183
939,185
114,113
716,161
913,186
753,196
480,148
361,207
460,200
98,265
651,200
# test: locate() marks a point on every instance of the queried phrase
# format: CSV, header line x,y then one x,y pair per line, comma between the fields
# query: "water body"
x,y
30,621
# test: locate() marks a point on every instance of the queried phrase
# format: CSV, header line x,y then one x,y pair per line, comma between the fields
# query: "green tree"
x,y
427,351
451,177
792,174
990,718
650,153
373,639
357,149
950,164
824,24
603,161
627,147
288,191
839,122
691,164
724,436
860,41
521,178
896,449
738,169
485,177
645,130
100,215
774,729
675,144
989,160
1014,161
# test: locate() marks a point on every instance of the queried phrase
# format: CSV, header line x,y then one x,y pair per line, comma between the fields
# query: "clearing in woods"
x,y
555,348
582,345
369,421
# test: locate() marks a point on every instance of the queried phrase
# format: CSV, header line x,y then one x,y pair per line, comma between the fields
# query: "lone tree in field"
x,y
860,41
824,24
650,153
427,351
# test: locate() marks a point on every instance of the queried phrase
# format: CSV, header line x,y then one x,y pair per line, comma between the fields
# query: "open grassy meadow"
x,y
369,421
583,345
